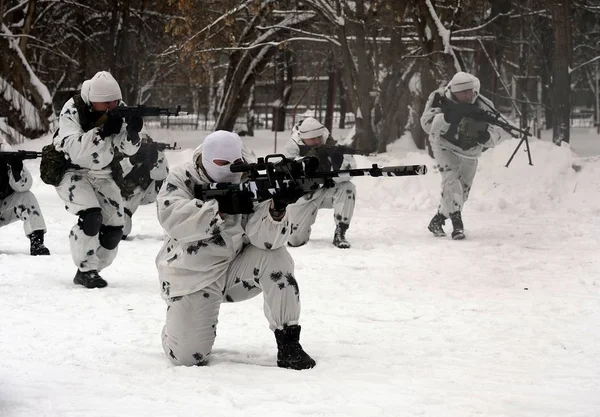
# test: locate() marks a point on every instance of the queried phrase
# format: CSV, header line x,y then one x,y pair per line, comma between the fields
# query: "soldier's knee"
x,y
110,236
182,355
90,221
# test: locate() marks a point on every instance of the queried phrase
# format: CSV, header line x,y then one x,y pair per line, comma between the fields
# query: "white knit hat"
x,y
104,88
462,81
311,128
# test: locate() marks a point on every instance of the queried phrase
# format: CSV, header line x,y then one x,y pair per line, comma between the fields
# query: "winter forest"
x,y
243,64
489,308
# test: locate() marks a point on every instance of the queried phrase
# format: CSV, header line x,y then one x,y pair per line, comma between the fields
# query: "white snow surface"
x,y
504,323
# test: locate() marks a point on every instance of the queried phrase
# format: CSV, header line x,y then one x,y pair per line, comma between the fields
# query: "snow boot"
x,y
289,351
436,223
89,279
459,231
37,243
339,237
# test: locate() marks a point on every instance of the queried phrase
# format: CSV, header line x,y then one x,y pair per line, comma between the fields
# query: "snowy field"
x,y
504,323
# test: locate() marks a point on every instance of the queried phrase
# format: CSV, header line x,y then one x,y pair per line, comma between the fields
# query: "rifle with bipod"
x,y
266,179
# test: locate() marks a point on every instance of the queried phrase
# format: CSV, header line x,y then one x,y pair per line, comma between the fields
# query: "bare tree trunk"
x,y
331,84
250,114
342,98
283,70
31,7
238,83
561,15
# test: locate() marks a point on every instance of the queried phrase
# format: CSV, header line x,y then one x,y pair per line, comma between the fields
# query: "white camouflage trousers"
x,y
139,198
191,326
22,206
457,178
81,191
303,213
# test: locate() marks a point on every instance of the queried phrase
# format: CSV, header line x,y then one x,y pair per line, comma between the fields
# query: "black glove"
x,y
236,202
147,155
112,126
287,194
16,166
483,137
134,123
453,114
152,155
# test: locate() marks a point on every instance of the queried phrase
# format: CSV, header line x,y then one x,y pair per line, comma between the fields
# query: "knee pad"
x,y
90,221
110,236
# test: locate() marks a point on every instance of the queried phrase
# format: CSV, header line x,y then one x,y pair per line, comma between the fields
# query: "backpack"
x,y
53,166
55,163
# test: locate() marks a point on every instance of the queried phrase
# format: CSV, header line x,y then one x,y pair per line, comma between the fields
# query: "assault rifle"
x,y
161,146
138,111
19,155
144,111
490,116
266,179
332,149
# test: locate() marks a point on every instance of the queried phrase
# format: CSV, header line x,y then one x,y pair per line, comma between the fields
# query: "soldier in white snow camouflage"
x,y
18,203
88,188
226,249
310,134
457,141
139,178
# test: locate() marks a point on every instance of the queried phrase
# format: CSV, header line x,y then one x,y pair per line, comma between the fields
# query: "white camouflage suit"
x,y
341,198
16,201
142,196
90,185
208,258
456,165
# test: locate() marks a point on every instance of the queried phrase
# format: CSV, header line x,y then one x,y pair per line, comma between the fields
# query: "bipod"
x,y
524,138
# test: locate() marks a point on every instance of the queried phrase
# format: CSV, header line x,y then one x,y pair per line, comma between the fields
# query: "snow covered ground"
x,y
504,323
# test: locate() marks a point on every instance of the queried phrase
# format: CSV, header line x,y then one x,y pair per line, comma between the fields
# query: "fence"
x,y
262,120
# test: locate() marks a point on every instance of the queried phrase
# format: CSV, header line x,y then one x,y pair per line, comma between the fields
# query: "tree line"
x,y
383,57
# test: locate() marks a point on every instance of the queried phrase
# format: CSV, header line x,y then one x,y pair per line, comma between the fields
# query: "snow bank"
x,y
558,179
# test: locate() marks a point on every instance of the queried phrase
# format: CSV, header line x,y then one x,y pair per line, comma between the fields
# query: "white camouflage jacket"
x,y
87,149
199,242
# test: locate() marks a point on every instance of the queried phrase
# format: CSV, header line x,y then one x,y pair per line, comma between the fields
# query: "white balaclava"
x,y
103,88
226,146
311,128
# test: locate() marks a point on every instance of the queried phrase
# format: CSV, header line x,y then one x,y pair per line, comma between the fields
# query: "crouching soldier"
x,y
139,178
307,138
226,249
87,187
18,203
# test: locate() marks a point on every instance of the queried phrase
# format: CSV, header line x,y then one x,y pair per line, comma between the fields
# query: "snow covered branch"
x,y
584,64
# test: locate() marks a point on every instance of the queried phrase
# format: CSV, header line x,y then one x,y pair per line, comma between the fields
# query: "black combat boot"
x,y
37,243
89,279
459,231
436,223
339,237
289,351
